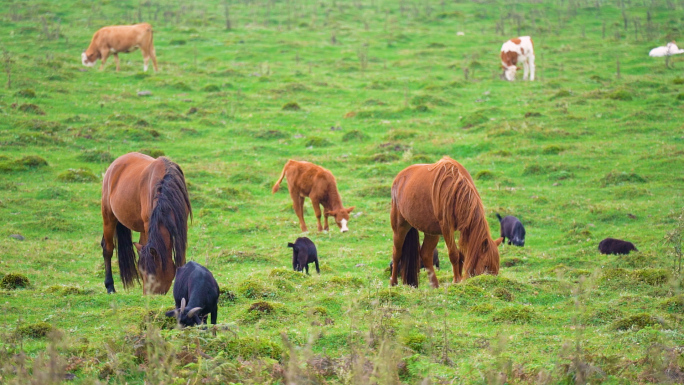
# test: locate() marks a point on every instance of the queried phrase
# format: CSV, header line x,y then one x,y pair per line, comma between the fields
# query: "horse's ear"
x,y
290,245
349,210
498,241
138,246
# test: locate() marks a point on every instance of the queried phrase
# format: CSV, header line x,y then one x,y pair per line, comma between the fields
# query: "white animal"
x,y
517,50
669,50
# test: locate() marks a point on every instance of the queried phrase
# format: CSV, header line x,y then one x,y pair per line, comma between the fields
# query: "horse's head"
x,y
156,276
341,217
487,260
184,316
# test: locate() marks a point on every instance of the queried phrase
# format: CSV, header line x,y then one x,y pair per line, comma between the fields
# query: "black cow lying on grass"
x,y
303,253
197,284
512,229
435,261
616,246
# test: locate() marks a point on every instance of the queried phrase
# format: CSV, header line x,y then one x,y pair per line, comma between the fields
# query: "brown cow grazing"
x,y
306,179
120,38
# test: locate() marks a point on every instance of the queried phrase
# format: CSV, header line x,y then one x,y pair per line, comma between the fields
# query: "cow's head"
x,y
299,259
341,217
88,60
509,72
184,316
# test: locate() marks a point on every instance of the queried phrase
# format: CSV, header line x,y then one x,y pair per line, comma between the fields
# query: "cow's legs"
x,y
317,210
532,67
109,229
298,206
104,54
146,59
426,251
526,70
116,60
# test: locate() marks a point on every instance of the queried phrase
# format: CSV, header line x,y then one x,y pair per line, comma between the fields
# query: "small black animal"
x,y
196,284
512,229
615,246
435,261
303,253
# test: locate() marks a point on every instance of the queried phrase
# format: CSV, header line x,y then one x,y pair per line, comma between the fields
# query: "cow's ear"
x,y
330,213
172,313
290,245
498,241
349,210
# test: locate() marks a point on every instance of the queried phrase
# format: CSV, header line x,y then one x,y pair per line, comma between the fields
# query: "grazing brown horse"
x,y
439,199
149,196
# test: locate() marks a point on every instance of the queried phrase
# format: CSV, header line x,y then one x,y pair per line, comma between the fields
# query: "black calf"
x,y
615,246
512,229
196,284
303,253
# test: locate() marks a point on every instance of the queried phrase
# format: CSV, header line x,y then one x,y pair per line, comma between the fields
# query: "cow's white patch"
x,y
144,67
84,60
343,226
112,50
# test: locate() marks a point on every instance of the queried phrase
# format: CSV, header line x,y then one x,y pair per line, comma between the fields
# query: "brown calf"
x,y
306,179
120,38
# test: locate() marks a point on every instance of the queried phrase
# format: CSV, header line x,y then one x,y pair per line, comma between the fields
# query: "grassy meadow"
x,y
594,148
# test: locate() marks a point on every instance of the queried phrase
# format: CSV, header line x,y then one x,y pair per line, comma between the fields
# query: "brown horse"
x,y
149,196
439,199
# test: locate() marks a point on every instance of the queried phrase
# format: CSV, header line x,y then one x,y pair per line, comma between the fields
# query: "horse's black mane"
x,y
171,209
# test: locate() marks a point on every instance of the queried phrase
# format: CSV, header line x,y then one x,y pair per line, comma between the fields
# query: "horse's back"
x,y
121,188
412,197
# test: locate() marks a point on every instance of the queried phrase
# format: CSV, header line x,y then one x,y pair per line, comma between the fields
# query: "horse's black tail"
x,y
124,250
410,254
499,216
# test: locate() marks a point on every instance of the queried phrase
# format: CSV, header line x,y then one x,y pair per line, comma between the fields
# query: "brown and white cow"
x,y
306,179
120,39
515,51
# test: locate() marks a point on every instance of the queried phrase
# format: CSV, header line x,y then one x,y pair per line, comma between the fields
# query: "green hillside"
x,y
593,149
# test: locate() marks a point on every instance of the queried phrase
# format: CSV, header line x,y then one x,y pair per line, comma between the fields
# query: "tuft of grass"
x,y
673,305
248,348
602,316
291,106
503,294
31,108
96,156
515,315
42,125
485,175
317,141
512,261
211,88
153,152
35,330
552,149
226,296
430,100
287,274
25,163
77,175
561,94
395,135
26,93
623,95
482,308
615,178
636,322
414,341
253,288
271,134
354,136
67,290
14,281
474,119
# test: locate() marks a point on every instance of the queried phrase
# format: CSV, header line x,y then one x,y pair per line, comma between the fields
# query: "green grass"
x,y
578,155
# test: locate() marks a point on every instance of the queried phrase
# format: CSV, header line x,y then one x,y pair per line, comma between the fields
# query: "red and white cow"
x,y
120,39
515,51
